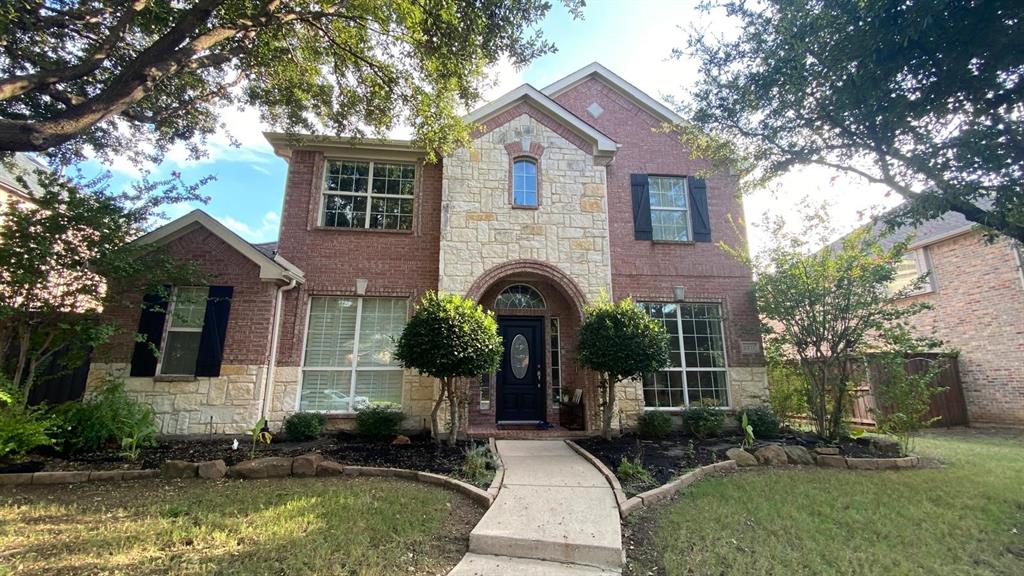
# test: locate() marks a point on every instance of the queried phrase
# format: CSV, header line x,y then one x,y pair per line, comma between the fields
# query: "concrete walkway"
x,y
555,515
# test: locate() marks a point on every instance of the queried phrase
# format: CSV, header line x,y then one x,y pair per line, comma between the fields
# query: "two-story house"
x,y
562,193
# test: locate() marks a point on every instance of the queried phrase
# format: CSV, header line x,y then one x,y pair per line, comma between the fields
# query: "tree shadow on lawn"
x,y
310,526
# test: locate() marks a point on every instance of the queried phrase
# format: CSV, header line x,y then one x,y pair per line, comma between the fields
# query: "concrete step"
x,y
484,565
570,524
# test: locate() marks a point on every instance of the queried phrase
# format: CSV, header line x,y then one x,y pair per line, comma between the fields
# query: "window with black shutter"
x,y
670,208
189,332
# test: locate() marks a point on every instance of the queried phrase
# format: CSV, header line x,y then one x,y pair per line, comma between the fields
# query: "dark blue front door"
x,y
520,378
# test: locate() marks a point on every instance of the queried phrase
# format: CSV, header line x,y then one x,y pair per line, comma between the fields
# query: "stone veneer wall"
x,y
480,229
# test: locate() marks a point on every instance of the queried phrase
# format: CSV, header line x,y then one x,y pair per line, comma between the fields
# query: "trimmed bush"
x,y
763,421
654,424
303,426
704,422
379,421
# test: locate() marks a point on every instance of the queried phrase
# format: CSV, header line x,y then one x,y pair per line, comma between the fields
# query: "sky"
x,y
633,38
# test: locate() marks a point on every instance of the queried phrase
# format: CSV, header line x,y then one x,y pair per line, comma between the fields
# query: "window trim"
x,y
531,288
321,217
168,321
536,181
923,261
688,209
682,352
354,368
555,344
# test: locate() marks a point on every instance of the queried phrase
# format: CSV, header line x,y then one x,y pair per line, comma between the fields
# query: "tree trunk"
x,y
608,390
435,426
454,411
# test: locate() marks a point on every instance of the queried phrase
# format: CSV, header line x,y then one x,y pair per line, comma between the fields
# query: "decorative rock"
x,y
213,469
18,478
179,469
771,455
274,467
907,462
741,457
60,477
799,455
306,464
105,475
329,468
140,474
831,461
401,440
827,451
862,463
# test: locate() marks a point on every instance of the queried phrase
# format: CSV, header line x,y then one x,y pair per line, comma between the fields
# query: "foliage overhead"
x,y
922,96
827,307
130,78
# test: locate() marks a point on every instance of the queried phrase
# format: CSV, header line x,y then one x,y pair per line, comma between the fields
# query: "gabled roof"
x,y
272,266
639,97
603,145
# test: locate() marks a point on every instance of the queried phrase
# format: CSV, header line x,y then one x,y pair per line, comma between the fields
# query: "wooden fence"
x,y
949,405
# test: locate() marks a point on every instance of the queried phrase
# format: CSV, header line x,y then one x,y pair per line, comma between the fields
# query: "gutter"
x,y
268,383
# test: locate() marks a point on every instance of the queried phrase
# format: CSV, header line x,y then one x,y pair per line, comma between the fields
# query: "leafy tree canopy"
x,y
130,78
923,96
449,337
621,340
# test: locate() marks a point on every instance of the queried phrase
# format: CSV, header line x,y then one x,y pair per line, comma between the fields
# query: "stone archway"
x,y
526,269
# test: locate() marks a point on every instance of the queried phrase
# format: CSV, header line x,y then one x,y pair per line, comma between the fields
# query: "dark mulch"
x,y
679,453
421,454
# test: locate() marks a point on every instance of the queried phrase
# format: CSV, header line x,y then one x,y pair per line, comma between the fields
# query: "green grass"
x,y
290,526
965,517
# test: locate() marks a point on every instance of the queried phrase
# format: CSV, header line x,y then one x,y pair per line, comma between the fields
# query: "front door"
x,y
519,381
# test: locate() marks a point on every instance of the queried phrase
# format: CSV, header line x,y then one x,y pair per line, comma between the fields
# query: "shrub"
x,y
905,399
22,429
704,422
654,424
109,416
379,420
303,426
633,471
763,421
477,464
787,391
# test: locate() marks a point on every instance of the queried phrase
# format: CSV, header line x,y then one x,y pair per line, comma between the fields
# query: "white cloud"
x,y
264,231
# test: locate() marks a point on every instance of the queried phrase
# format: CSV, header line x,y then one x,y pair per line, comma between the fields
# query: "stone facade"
x,y
481,229
978,310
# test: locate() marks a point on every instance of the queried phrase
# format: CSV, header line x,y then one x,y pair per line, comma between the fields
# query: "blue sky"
x,y
633,38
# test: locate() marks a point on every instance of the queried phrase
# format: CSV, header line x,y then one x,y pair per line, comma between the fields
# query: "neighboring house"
x,y
18,182
563,193
976,289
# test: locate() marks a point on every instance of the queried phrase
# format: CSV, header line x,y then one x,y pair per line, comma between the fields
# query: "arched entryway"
x,y
539,310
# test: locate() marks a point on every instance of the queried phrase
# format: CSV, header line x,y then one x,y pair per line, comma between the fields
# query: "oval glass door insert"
x,y
519,356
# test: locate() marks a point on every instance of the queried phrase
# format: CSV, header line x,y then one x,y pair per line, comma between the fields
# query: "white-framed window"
x,y
520,297
524,183
913,265
183,330
670,208
697,374
348,361
555,344
368,194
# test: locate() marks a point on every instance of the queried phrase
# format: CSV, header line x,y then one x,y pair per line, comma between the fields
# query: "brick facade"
x,y
978,310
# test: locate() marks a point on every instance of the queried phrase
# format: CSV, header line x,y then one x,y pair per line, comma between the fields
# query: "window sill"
x,y
675,242
174,378
516,207
360,230
678,411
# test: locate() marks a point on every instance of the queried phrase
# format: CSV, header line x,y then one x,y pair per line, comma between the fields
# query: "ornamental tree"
x,y
450,338
619,341
826,305
130,78
923,96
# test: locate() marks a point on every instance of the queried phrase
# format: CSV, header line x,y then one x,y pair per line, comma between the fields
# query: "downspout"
x,y
268,384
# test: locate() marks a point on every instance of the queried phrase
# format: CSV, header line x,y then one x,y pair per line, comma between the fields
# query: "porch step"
x,y
484,565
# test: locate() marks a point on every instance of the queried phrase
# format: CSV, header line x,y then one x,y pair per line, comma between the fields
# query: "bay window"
x,y
696,375
348,361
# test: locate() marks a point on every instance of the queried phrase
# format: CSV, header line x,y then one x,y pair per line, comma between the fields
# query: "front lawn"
x,y
287,526
964,517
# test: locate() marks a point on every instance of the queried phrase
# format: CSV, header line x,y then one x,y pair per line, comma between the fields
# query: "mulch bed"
x,y
421,454
679,453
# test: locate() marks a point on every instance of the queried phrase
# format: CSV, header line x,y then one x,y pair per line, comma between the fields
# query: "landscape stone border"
x,y
827,457
307,465
499,472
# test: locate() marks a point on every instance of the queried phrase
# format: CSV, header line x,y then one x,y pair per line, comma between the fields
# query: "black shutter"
x,y
151,325
642,229
215,328
699,203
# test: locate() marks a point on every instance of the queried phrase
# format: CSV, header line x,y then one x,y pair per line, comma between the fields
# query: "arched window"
x,y
524,183
520,297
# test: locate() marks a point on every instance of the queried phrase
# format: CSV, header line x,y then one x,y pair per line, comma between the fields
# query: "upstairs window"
x,y
913,266
524,183
373,195
670,210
